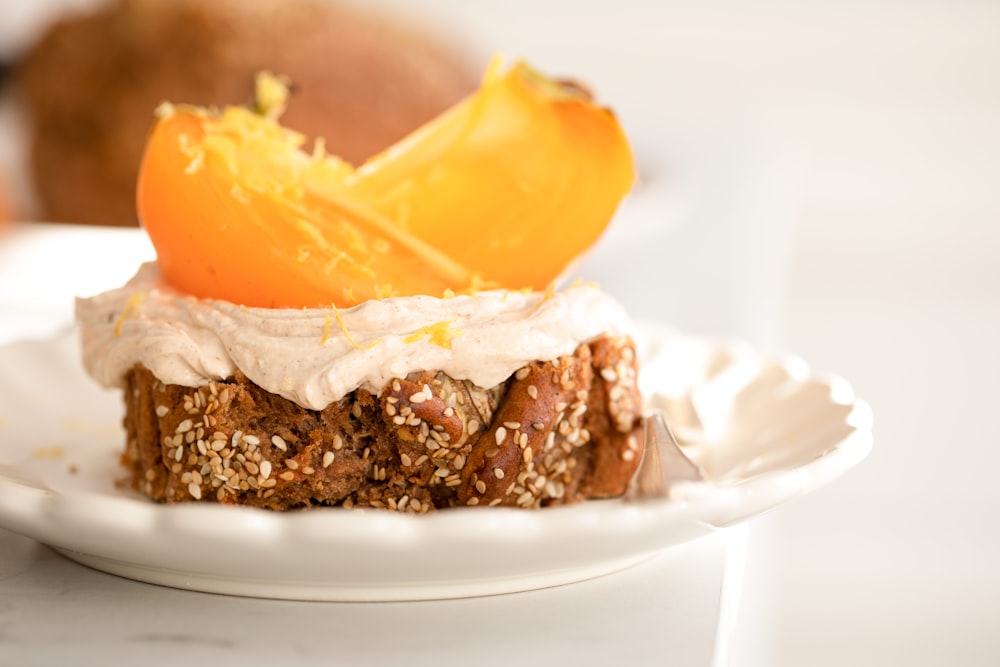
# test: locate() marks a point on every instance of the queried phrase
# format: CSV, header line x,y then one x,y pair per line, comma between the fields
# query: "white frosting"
x,y
305,356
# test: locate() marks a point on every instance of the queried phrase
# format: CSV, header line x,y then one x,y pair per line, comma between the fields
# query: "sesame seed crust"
x,y
555,432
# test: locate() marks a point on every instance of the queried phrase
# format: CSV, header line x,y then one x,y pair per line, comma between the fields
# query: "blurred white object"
x,y
43,266
22,21
703,243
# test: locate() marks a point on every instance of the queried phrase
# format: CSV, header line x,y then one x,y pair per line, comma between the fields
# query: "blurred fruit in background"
x,y
90,84
5,205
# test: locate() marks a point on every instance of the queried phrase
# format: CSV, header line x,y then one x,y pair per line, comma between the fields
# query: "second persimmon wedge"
x,y
514,182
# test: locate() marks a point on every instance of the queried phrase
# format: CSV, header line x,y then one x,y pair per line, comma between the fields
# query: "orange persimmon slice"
x,y
514,182
227,204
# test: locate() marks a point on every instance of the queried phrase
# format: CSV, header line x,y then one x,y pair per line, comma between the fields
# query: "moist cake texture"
x,y
555,432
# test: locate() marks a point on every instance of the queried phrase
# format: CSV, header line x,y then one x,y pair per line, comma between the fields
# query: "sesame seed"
x,y
405,460
512,425
498,473
628,455
288,475
500,435
421,459
338,442
251,467
327,459
162,410
533,392
184,426
418,397
495,502
609,374
265,469
522,373
472,501
538,426
251,440
481,486
292,464
279,442
308,470
194,490
473,426
524,498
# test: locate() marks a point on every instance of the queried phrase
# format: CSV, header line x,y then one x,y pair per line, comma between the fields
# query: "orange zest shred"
x,y
343,327
133,307
326,328
439,333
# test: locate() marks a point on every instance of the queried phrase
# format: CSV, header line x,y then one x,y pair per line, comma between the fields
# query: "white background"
x,y
894,111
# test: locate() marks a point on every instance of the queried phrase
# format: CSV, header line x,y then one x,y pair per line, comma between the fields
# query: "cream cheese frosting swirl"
x,y
317,356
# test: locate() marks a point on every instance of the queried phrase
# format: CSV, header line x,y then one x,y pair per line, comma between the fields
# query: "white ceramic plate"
x,y
765,430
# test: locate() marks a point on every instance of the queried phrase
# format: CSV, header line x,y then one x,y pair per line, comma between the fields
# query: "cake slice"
x,y
316,335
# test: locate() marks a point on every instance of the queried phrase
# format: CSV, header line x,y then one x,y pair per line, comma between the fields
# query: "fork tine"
x,y
663,462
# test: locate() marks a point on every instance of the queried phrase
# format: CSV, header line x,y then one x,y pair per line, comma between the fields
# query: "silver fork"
x,y
663,465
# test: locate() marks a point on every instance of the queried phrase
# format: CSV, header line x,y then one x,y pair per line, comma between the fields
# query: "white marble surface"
x,y
663,611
